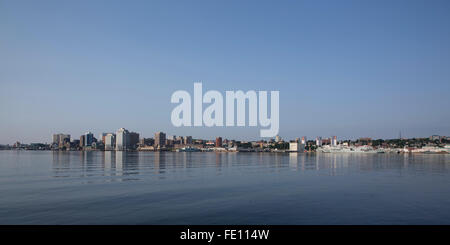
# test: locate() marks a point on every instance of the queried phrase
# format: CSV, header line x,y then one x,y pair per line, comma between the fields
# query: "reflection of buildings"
x,y
61,159
108,160
293,161
119,162
160,161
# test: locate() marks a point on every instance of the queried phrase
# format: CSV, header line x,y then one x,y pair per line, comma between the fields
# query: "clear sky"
x,y
347,68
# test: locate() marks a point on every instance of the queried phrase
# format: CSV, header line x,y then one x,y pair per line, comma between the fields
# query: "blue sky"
x,y
345,68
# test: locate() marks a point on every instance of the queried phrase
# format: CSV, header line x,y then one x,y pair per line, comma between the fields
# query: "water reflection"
x,y
139,164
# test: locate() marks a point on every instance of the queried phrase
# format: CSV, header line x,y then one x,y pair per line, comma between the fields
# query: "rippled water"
x,y
222,188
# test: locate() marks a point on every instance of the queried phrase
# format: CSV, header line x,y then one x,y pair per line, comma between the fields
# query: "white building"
x,y
110,141
122,139
296,147
334,141
319,141
304,140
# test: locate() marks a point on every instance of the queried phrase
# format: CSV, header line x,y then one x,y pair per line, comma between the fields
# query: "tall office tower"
x,y
55,139
188,140
82,140
101,137
110,141
61,139
319,141
64,139
133,139
160,139
218,142
122,139
304,140
334,141
297,140
89,139
179,140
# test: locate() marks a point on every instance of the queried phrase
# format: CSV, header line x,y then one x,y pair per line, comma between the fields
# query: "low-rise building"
x,y
296,147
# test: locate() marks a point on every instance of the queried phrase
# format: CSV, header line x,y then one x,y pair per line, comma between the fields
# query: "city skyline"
x,y
370,69
112,136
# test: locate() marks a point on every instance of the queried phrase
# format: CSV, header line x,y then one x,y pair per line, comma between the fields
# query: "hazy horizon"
x,y
349,68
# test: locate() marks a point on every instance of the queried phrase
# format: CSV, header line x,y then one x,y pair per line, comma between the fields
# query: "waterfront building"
x,y
296,147
304,140
434,137
110,141
61,139
75,143
133,139
187,140
218,142
82,140
89,139
102,137
55,139
319,141
122,139
160,139
334,141
146,142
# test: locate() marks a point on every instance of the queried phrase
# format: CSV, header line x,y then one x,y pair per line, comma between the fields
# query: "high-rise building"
x,y
55,139
187,140
89,139
102,137
133,139
160,139
110,141
61,139
82,140
122,139
218,142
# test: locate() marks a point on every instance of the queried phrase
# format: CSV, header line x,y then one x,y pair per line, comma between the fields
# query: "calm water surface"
x,y
222,188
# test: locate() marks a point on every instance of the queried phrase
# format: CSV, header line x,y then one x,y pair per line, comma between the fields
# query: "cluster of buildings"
x,y
125,140
121,140
432,144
